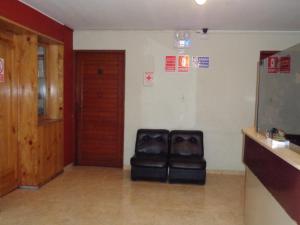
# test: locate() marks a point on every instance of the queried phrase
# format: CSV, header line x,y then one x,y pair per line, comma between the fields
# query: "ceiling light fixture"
x,y
200,2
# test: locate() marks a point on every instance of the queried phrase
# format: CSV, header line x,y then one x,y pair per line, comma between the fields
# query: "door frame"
x,y
77,100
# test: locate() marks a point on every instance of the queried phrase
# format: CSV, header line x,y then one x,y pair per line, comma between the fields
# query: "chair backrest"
x,y
152,141
186,142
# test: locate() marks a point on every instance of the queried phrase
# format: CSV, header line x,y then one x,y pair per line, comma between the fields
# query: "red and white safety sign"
x,y
183,63
273,64
148,78
170,63
285,64
1,70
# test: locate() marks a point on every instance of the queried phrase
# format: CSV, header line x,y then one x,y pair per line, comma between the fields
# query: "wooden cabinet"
x,y
50,139
31,148
8,116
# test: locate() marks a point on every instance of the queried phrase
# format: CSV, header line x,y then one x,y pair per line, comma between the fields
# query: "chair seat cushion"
x,y
187,162
148,160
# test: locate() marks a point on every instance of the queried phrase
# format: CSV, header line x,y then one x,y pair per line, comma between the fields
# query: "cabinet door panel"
x,y
8,117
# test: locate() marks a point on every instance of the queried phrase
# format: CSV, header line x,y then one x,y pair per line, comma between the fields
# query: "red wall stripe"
x,y
26,16
23,14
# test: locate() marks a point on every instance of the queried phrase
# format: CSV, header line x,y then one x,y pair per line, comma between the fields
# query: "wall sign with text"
x,y
2,70
273,64
170,64
285,64
200,62
279,64
183,63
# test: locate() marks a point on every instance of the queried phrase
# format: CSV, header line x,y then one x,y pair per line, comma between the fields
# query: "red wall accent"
x,y
266,54
26,16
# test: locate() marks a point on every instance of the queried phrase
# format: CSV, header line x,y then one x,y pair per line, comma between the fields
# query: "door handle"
x,y
100,72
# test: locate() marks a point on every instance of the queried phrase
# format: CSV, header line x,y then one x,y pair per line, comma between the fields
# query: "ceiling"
x,y
275,15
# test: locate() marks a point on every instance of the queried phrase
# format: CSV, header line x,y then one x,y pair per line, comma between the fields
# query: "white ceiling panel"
x,y
275,15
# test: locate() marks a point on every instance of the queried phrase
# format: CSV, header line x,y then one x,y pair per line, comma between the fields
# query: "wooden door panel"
x,y
8,119
94,124
110,69
100,113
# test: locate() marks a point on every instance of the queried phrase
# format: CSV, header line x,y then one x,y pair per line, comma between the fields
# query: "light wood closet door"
x,y
8,117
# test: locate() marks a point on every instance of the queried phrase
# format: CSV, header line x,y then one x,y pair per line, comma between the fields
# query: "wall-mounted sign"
x,y
285,64
183,39
278,64
170,64
2,70
148,78
200,62
273,64
183,63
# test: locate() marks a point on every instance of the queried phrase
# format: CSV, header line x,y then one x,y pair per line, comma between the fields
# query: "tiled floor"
x,y
103,196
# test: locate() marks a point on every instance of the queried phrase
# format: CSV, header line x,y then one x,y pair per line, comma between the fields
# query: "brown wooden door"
x,y
8,117
100,107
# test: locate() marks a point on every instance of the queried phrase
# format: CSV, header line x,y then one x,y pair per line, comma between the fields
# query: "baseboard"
x,y
216,172
126,167
69,166
226,172
29,187
51,178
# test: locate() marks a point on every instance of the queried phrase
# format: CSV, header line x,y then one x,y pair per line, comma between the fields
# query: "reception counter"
x,y
272,182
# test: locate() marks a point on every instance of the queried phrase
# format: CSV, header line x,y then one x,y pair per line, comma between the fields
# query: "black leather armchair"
x,y
150,161
187,163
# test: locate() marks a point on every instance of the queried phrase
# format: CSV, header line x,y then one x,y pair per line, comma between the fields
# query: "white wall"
x,y
219,100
